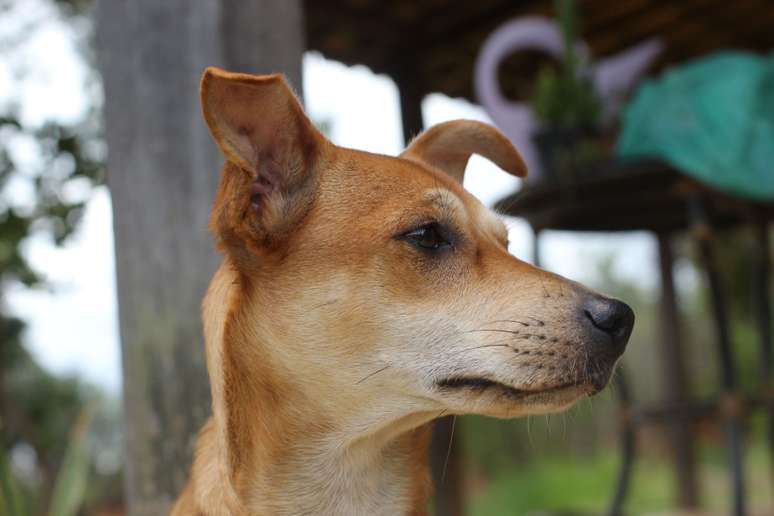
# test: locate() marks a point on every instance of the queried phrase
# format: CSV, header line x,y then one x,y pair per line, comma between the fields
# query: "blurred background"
x,y
648,126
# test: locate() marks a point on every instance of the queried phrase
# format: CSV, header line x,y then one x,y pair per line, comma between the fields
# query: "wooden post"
x,y
162,174
536,256
761,292
676,388
730,404
410,103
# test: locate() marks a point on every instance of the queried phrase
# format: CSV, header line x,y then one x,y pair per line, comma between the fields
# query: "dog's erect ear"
x,y
271,149
448,146
254,119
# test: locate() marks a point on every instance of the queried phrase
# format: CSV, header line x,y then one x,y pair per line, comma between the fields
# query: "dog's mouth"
x,y
479,384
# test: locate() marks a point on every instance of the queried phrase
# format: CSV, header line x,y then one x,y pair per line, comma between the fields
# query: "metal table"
x,y
651,196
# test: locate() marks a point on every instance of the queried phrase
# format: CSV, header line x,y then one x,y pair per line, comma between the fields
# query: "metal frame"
x,y
679,412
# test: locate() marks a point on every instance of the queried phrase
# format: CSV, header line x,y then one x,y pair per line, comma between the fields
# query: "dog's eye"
x,y
430,237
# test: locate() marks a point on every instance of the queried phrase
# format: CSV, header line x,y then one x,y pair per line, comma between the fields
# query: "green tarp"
x,y
712,119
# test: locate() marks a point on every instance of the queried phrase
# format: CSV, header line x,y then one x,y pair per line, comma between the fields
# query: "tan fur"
x,y
328,335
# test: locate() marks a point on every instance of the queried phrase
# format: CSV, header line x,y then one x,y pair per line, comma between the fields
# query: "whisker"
x,y
510,321
495,331
519,335
448,450
543,286
498,345
514,199
372,374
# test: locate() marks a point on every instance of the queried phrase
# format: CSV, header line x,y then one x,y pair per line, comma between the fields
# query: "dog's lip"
x,y
481,383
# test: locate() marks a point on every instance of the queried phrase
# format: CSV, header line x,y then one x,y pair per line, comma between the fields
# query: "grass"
x,y
70,484
561,486
584,486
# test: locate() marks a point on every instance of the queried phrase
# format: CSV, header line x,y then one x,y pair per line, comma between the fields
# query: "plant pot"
x,y
566,154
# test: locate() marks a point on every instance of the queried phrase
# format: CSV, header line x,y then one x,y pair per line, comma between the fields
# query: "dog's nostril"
x,y
605,320
611,317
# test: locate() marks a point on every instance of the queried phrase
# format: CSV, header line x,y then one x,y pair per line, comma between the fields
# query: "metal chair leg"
x,y
731,404
761,286
628,446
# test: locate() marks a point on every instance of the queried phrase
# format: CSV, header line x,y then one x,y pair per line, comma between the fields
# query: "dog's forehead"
x,y
374,180
379,176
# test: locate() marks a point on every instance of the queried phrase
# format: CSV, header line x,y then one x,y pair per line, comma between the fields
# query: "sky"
x,y
73,322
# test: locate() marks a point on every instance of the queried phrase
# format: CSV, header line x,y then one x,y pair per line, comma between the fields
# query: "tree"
x,y
162,173
36,407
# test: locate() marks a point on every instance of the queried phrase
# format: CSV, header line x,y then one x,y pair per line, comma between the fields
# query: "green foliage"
x,y
65,155
12,499
47,172
74,6
70,487
565,98
566,485
70,483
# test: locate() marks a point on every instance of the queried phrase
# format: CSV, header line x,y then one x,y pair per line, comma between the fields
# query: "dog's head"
x,y
380,281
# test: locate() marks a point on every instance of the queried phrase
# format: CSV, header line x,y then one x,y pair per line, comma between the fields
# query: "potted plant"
x,y
567,107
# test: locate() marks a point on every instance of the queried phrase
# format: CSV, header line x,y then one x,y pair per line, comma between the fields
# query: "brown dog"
x,y
360,297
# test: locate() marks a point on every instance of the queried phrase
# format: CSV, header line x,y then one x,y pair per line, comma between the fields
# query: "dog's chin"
x,y
485,397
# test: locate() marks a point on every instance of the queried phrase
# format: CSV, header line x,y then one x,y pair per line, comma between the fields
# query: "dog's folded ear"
x,y
448,146
271,148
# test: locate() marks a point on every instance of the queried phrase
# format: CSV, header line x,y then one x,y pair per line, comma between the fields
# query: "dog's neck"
x,y
280,451
327,478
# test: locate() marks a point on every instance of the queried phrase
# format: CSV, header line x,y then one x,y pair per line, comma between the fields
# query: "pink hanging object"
x,y
613,77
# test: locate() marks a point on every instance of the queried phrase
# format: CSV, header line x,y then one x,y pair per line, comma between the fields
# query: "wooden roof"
x,y
431,45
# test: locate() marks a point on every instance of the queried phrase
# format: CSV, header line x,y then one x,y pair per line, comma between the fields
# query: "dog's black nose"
x,y
611,318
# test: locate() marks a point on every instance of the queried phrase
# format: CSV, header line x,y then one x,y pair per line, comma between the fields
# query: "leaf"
x,y
12,502
71,481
